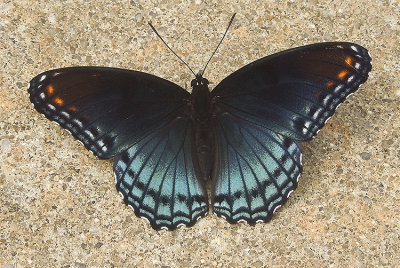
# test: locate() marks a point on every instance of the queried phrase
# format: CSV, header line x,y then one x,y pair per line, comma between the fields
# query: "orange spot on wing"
x,y
50,90
329,84
58,101
349,61
342,74
72,108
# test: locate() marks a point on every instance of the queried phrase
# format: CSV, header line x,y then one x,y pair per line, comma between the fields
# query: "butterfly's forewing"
x,y
257,170
107,109
157,179
265,105
294,92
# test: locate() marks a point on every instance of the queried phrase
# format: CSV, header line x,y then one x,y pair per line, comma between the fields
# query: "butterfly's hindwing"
x,y
157,179
107,109
294,92
257,170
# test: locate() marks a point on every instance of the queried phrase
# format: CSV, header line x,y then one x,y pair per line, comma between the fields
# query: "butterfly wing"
x,y
107,109
157,179
294,92
266,105
257,170
110,110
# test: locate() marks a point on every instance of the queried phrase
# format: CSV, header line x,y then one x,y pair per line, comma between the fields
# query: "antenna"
x,y
227,28
201,72
165,43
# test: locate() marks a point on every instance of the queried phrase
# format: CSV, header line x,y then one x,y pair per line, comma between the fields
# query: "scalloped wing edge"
x,y
157,227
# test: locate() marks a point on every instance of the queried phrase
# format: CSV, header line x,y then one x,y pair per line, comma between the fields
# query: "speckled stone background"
x,y
58,203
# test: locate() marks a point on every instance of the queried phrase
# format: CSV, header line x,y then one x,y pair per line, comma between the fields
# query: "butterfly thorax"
x,y
200,99
203,136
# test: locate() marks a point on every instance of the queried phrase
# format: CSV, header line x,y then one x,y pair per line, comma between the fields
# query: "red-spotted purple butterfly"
x,y
242,136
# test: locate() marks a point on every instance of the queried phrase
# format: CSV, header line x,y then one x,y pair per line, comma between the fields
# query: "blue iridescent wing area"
x,y
107,109
295,92
157,180
266,105
257,170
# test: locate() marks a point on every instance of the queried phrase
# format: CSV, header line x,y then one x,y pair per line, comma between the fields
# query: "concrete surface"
x,y
58,203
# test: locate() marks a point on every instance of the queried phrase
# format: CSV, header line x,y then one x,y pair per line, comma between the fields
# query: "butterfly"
x,y
242,136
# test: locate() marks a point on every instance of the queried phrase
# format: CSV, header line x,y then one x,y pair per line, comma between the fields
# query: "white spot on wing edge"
x,y
278,206
89,133
317,113
42,77
51,107
115,178
64,113
351,78
148,221
290,192
326,121
357,65
298,177
100,143
242,220
78,122
178,226
42,96
338,88
354,48
259,221
326,99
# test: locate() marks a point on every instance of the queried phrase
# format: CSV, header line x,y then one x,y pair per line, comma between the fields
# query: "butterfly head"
x,y
199,81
